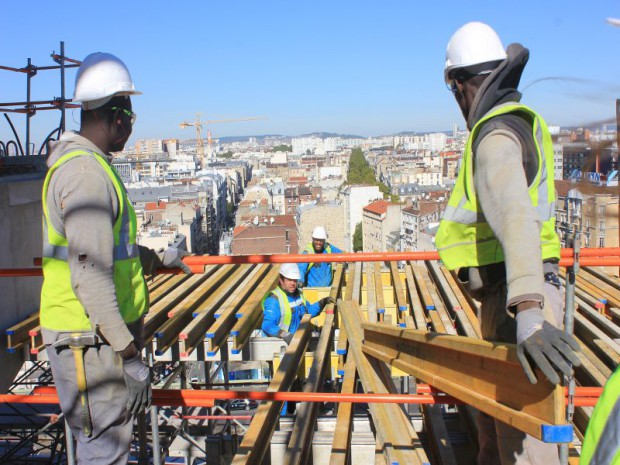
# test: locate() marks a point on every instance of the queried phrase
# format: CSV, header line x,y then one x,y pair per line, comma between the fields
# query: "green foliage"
x,y
360,172
228,154
230,208
283,148
358,238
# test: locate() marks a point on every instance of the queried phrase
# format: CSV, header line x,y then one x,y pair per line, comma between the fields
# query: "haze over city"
x,y
344,67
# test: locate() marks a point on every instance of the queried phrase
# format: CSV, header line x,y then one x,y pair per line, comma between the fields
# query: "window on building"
x,y
601,225
601,241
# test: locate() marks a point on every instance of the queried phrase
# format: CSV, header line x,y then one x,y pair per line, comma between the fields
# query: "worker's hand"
x,y
138,381
326,301
548,347
172,257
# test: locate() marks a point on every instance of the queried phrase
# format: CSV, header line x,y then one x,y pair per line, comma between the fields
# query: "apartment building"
x,y
591,210
381,226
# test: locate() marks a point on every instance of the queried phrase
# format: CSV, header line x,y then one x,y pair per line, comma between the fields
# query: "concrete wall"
x,y
20,236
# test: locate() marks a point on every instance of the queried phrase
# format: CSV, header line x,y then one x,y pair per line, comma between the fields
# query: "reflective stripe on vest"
x,y
286,309
464,237
60,308
310,250
601,444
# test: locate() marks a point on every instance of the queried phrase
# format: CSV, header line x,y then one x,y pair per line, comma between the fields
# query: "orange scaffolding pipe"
x,y
604,256
584,397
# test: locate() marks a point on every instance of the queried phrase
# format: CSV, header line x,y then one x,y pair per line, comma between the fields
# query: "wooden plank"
x,y
354,279
401,302
600,321
158,313
416,304
371,299
379,292
611,358
427,300
603,276
473,371
225,313
257,439
166,287
18,335
591,372
452,302
609,286
341,445
442,312
300,442
394,428
182,315
464,301
191,321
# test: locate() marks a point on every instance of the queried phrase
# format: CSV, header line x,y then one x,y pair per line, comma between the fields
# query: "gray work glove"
x,y
548,347
326,301
172,257
288,337
138,381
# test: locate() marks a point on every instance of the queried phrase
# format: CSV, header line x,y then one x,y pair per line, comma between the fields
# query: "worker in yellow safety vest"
x,y
94,295
601,444
284,306
499,226
318,274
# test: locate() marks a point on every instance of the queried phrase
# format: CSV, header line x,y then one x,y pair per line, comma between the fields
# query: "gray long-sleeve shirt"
x,y
83,205
502,191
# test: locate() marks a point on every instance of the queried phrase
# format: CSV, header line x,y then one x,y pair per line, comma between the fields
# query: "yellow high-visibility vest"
x,y
61,310
464,237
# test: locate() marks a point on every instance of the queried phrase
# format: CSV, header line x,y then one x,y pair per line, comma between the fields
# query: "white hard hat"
x,y
100,77
474,44
319,233
290,271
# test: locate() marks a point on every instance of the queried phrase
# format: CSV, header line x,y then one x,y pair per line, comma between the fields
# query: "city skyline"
x,y
349,67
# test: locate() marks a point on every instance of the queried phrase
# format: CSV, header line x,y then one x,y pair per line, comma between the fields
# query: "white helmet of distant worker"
x,y
476,46
319,233
290,271
100,77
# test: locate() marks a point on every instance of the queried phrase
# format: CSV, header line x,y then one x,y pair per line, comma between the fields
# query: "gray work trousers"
x,y
107,397
499,443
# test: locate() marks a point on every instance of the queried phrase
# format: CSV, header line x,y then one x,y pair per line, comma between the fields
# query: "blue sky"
x,y
364,67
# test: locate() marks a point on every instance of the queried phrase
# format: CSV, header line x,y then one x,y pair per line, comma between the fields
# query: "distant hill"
x,y
326,135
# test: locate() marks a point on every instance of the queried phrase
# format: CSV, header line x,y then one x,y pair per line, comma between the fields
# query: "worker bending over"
x,y
499,226
318,274
284,306
94,295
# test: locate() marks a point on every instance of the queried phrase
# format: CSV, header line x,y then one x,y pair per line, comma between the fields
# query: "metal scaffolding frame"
x,y
30,107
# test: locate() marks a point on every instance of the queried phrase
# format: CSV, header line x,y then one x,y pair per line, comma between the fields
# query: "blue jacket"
x,y
320,274
272,314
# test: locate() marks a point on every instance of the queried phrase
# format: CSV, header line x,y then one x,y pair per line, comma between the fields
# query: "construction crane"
x,y
200,148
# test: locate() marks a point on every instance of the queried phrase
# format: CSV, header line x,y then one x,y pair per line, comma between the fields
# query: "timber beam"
x,y
485,375
399,441
18,335
198,316
225,315
257,439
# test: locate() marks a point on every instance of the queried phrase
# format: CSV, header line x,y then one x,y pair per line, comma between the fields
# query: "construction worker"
x,y
284,306
94,295
499,226
601,444
318,274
